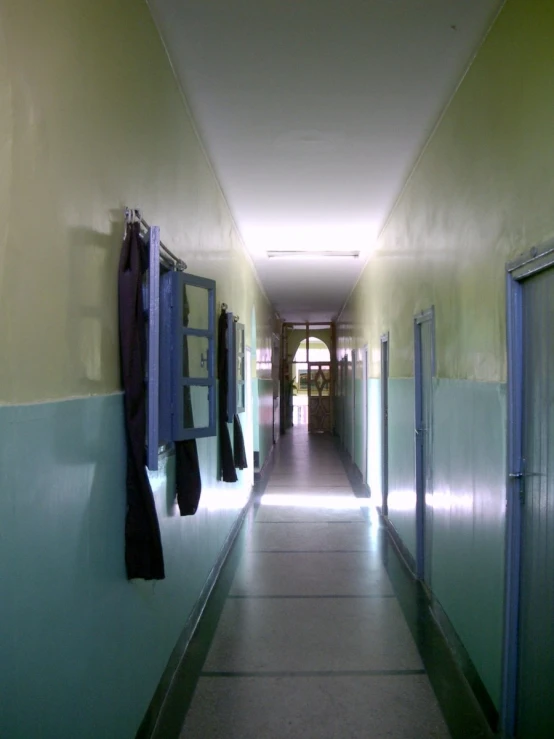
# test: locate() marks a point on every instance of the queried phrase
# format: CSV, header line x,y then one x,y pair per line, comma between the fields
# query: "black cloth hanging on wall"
x,y
227,471
188,482
143,545
241,462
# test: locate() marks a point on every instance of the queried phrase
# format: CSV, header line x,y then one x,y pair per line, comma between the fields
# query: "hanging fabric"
x,y
143,546
188,482
227,471
241,462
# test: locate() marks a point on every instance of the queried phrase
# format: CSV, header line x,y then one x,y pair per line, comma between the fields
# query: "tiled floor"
x,y
310,639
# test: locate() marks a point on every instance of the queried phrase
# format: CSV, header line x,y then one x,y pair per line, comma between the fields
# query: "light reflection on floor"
x,y
315,500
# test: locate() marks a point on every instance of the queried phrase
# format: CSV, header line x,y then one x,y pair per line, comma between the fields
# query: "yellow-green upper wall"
x,y
92,120
481,193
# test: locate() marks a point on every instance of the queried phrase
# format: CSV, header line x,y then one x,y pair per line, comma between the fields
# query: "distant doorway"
x,y
319,397
311,383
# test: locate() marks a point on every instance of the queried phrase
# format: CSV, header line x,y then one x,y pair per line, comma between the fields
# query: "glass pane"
x,y
195,356
196,407
240,368
195,307
240,340
320,380
240,395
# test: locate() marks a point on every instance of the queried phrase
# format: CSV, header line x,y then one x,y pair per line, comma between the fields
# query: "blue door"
x,y
528,708
535,716
385,423
424,371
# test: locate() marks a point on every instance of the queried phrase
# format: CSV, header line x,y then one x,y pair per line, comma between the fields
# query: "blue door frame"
x,y
419,319
517,271
385,423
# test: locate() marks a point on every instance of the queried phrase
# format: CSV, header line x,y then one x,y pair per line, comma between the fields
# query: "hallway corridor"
x,y
304,634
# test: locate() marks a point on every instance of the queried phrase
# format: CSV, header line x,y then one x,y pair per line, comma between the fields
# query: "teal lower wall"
x,y
256,415
82,649
467,499
402,491
374,440
265,404
358,445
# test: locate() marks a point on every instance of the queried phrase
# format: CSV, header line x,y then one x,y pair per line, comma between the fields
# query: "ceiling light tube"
x,y
312,254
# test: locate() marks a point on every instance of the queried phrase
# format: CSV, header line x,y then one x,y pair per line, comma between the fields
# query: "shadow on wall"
x,y
92,330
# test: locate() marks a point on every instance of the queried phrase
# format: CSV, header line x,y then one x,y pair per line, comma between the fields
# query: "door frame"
x,y
421,534
344,399
385,356
353,417
249,411
365,408
534,261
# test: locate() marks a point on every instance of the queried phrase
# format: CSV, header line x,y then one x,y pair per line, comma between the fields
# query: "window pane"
x,y
240,340
320,378
240,395
196,407
195,356
195,307
240,368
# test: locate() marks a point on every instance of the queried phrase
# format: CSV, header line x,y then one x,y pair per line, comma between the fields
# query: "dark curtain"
x,y
143,546
227,471
238,443
188,481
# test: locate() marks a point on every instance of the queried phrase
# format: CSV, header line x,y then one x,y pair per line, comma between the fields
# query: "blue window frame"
x,y
192,354
180,368
236,370
231,368
240,372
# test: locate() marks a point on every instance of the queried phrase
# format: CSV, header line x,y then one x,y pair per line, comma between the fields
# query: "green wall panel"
x,y
402,494
469,517
374,440
256,415
265,404
82,648
359,426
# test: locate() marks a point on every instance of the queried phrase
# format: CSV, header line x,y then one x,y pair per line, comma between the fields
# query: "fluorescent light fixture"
x,y
311,254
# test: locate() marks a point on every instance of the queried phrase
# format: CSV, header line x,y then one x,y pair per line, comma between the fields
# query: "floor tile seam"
x,y
308,551
313,673
372,596
315,523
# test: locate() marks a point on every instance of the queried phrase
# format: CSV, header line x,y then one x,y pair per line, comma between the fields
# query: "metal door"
x,y
319,397
385,424
424,371
528,710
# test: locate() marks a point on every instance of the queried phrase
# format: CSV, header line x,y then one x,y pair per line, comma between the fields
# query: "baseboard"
x,y
147,728
450,636
404,553
464,662
355,477
264,471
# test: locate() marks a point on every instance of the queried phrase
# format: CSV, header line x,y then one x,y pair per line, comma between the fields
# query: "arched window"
x,y
319,351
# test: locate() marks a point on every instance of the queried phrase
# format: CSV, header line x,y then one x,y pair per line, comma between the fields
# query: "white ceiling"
x,y
313,113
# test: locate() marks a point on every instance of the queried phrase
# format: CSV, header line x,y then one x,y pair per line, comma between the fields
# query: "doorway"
x,y
310,373
319,397
529,627
424,360
385,424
